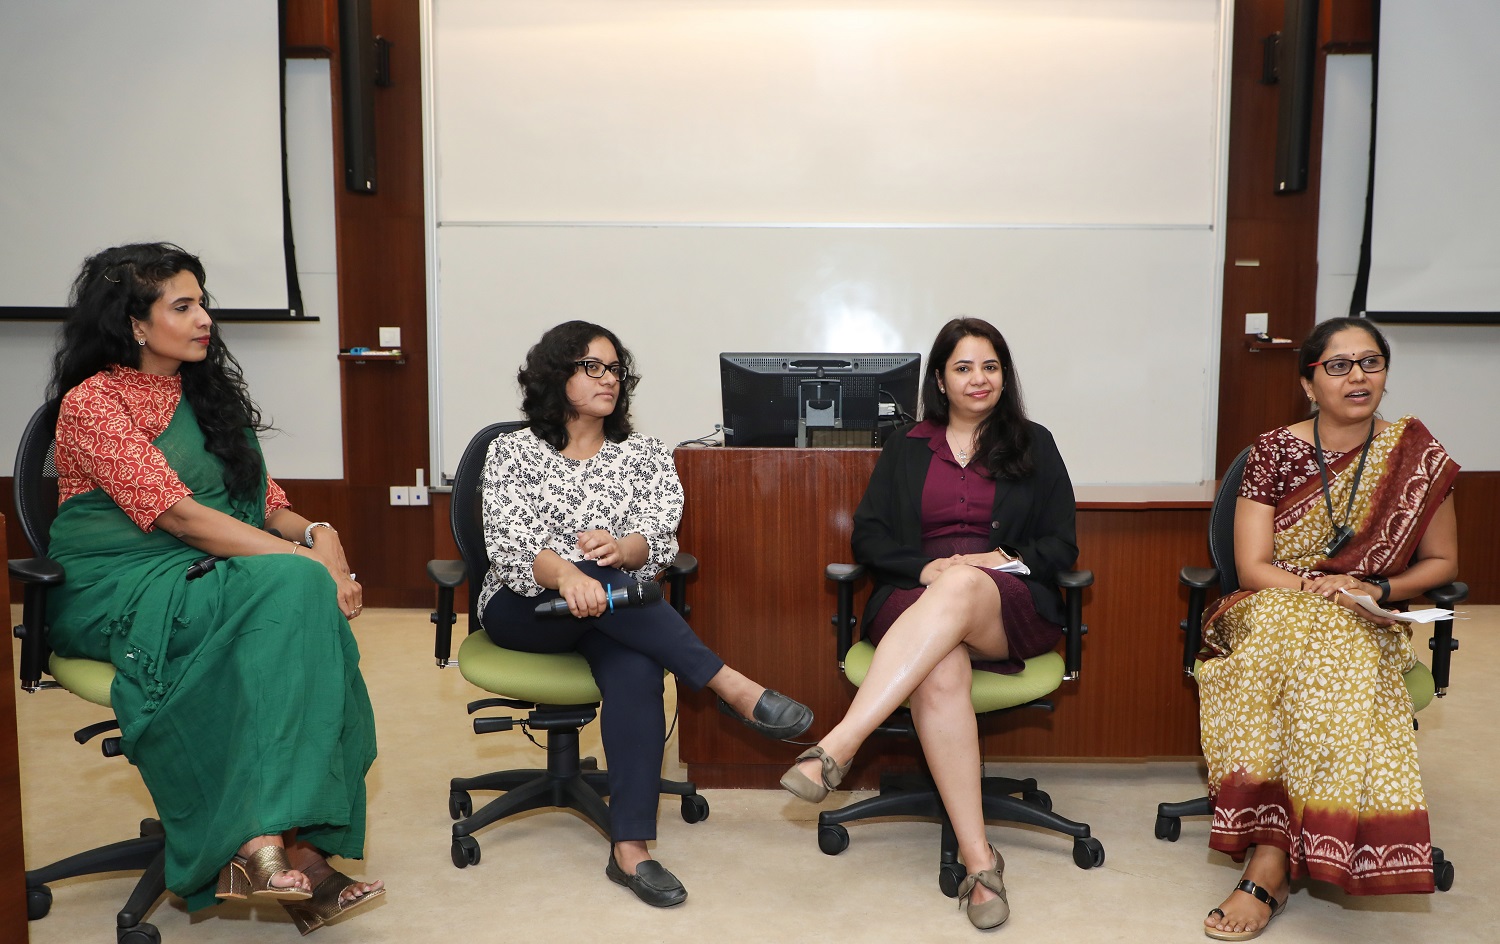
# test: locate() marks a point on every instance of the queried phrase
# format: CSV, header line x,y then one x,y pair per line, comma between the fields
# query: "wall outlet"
x,y
401,495
418,494
390,337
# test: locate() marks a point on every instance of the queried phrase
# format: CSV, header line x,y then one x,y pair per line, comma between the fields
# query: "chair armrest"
x,y
447,574
1442,643
683,566
37,576
1073,583
38,570
844,576
1198,578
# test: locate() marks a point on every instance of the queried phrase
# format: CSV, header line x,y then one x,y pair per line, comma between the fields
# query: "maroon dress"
x,y
956,504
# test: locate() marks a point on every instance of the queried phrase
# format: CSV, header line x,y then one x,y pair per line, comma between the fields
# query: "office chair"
x,y
36,506
1421,682
992,693
556,688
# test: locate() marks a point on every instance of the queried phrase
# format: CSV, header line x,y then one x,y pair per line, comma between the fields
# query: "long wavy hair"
x,y
544,380
117,287
1004,438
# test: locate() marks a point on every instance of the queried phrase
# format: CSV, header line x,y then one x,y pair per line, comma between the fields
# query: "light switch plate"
x,y
390,337
1256,322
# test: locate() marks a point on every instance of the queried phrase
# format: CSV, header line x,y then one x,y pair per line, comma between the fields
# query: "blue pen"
x,y
608,596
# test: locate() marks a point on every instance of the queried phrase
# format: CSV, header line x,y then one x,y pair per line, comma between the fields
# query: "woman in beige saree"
x,y
1306,722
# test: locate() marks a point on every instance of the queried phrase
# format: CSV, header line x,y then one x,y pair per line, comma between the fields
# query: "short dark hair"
x,y
1004,438
1316,344
544,380
117,287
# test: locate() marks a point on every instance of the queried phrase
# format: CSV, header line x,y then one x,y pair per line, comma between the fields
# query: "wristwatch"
x,y
307,537
1375,580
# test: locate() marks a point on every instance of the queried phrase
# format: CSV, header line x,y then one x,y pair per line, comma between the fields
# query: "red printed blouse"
x,y
105,430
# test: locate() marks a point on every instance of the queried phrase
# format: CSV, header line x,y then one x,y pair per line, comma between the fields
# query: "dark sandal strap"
x,y
1259,894
1219,912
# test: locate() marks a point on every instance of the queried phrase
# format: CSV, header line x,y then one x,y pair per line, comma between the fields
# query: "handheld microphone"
x,y
200,567
636,594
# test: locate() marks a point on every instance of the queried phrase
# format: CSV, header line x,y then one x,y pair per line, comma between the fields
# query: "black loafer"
x,y
776,716
652,883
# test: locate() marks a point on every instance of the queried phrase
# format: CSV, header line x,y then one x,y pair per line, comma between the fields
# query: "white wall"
x,y
1446,374
843,176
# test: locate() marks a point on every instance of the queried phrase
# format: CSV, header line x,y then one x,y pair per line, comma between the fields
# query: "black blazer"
x,y
1032,518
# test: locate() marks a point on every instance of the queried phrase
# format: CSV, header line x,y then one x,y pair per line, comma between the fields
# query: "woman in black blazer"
x,y
967,520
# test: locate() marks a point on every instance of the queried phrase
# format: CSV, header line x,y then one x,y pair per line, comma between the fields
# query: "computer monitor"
x,y
805,400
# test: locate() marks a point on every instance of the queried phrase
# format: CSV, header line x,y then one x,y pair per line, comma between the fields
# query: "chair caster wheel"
x,y
1168,828
1088,853
140,934
832,839
460,804
465,851
1442,874
38,902
694,808
588,763
950,876
1039,798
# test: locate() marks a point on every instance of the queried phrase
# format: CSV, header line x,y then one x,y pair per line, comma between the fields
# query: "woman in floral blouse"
x,y
572,504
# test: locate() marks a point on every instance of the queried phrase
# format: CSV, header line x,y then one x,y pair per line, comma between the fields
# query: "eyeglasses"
x,y
596,370
1339,366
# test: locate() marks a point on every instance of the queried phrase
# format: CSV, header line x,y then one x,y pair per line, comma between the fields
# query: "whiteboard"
x,y
843,176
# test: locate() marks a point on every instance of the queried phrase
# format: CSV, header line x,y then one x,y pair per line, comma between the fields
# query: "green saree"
x,y
238,694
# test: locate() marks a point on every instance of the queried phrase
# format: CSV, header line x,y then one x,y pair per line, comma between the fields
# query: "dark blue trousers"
x,y
627,651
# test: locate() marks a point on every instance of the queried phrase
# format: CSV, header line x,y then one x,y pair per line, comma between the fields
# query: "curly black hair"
x,y
544,380
118,286
1004,438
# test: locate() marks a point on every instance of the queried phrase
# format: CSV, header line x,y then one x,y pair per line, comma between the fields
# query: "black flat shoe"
x,y
652,883
776,716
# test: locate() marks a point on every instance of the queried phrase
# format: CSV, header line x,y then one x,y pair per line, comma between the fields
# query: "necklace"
x,y
961,454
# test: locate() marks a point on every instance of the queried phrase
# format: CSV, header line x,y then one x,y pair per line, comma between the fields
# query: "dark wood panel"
x,y
1347,26
12,841
311,28
764,523
1477,501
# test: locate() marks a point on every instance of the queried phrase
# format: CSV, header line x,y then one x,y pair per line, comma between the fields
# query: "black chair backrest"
x,y
36,477
1221,524
467,511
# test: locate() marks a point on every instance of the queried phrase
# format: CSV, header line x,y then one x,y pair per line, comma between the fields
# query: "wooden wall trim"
x,y
12,835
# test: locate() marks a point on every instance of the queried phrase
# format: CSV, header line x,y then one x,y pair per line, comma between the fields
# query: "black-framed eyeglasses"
x,y
596,369
1339,366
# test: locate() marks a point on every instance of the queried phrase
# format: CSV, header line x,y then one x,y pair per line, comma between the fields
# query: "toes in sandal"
x,y
249,875
1260,895
327,902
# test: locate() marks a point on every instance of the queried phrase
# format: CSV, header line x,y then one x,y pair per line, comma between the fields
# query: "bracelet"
x,y
294,547
307,538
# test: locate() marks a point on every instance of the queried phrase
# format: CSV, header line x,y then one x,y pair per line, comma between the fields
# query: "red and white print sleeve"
x,y
99,441
275,498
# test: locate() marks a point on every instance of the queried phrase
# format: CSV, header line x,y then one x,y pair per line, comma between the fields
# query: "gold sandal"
x,y
327,902
992,913
245,876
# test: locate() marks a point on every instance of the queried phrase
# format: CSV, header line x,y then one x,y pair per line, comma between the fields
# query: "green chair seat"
x,y
1418,681
990,691
86,678
545,678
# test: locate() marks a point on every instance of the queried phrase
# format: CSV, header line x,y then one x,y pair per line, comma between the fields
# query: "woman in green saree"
x,y
1306,722
238,693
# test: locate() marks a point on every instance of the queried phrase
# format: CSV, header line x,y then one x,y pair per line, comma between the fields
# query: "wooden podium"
x,y
765,522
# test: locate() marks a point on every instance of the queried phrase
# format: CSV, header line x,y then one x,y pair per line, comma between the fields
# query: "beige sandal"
x,y
245,876
801,785
1260,895
328,902
988,914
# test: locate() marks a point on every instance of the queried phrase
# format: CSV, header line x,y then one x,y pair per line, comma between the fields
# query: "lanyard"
x,y
1323,475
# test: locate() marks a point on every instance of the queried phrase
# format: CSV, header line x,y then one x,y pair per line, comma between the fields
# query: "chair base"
x,y
146,853
915,794
569,782
1169,827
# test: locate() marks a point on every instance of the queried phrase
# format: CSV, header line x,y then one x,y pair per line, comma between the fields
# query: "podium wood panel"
x,y
765,522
